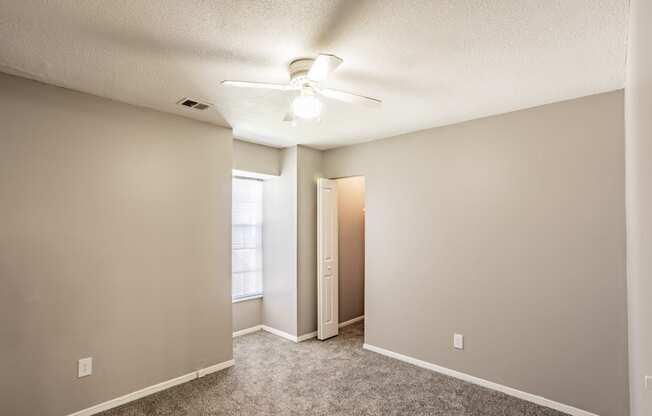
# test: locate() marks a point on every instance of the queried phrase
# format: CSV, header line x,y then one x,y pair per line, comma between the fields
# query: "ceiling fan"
x,y
305,77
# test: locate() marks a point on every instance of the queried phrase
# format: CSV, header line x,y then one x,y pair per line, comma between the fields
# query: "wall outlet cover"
x,y
85,367
458,341
648,382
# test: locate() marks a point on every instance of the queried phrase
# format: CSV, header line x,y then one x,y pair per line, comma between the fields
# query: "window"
x,y
247,238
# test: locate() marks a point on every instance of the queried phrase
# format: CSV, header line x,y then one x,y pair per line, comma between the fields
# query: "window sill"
x,y
247,298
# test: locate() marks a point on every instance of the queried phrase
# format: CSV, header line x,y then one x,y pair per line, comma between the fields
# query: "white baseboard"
x,y
307,336
214,368
247,331
285,335
280,333
351,321
130,397
481,382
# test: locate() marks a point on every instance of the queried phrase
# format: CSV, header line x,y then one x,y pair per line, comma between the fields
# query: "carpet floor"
x,y
273,376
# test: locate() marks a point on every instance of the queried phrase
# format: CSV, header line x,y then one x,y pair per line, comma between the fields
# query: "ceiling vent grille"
x,y
194,103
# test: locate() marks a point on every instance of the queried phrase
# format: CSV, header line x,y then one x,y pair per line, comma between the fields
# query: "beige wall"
x,y
114,243
279,307
247,314
511,231
639,203
256,158
350,215
289,244
309,169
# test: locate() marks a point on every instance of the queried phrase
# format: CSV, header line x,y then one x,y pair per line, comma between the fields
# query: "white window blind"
x,y
247,238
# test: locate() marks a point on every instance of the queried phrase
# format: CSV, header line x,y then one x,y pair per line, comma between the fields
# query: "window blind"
x,y
247,238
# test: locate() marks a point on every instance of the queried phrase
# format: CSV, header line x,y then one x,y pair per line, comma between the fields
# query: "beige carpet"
x,y
273,376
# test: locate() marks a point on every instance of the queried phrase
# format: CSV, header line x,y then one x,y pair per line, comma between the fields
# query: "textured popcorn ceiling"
x,y
431,62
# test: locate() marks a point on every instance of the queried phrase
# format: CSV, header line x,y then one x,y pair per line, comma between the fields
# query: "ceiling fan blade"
x,y
349,97
263,85
323,66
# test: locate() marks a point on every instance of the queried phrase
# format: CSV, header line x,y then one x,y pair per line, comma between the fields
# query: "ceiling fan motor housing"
x,y
299,71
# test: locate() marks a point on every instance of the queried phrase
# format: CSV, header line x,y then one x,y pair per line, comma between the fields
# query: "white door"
x,y
327,268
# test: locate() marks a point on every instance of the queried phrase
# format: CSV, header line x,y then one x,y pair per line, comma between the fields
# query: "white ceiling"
x,y
431,62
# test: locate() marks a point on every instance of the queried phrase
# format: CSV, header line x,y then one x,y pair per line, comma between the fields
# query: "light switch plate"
x,y
458,341
648,382
85,367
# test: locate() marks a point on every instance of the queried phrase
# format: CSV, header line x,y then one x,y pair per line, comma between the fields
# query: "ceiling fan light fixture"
x,y
306,106
306,74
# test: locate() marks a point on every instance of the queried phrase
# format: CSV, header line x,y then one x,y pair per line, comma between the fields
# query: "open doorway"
x,y
341,254
351,248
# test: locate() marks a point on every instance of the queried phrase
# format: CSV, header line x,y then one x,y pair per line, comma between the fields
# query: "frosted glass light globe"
x,y
306,106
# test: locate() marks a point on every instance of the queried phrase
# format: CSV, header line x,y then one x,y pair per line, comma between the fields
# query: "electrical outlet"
x,y
85,367
648,382
458,341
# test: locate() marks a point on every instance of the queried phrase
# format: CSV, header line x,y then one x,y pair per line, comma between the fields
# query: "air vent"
x,y
193,103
